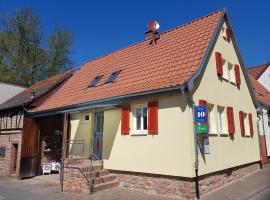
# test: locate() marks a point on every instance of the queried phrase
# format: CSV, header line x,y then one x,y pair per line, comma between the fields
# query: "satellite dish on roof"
x,y
153,25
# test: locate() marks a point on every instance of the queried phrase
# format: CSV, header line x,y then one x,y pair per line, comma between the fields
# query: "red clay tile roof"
x,y
257,71
40,88
144,67
262,94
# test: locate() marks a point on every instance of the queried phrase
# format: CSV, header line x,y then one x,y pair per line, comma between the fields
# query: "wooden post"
x,y
64,153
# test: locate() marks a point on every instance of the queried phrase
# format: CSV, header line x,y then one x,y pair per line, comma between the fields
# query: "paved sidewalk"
x,y
252,187
41,189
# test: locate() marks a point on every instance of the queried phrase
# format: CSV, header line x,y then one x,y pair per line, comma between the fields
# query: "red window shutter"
x,y
228,34
230,117
219,64
153,117
250,124
125,117
242,123
202,102
237,74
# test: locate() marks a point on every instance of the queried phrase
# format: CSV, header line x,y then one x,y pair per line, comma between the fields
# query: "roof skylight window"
x,y
95,81
113,76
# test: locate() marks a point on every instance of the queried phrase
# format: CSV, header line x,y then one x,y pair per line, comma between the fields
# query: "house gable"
x,y
222,92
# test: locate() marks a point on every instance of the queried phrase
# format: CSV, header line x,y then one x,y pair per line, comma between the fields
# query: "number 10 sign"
x,y
200,114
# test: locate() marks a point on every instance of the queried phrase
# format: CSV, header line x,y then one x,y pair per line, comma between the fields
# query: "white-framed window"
x,y
85,118
225,69
228,71
246,122
212,119
222,122
140,119
231,75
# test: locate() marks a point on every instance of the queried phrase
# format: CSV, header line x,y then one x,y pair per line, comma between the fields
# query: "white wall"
x,y
263,125
8,90
265,78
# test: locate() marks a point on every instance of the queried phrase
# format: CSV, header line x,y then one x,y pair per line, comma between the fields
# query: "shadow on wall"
x,y
80,135
178,102
111,125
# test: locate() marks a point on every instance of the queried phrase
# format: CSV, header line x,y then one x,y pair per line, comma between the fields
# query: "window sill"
x,y
139,134
225,79
84,122
213,133
223,134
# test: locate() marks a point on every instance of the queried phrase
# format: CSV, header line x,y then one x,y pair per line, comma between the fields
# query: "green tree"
x,y
59,45
23,58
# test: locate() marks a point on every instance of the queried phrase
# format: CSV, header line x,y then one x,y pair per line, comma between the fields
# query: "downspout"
x,y
263,127
259,113
263,121
191,103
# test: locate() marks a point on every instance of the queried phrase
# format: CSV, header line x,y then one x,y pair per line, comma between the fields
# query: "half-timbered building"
x,y
18,144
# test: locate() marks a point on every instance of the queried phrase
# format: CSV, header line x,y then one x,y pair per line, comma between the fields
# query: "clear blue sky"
x,y
100,27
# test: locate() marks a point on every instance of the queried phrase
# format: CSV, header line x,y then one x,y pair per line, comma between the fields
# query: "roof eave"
x,y
203,64
103,103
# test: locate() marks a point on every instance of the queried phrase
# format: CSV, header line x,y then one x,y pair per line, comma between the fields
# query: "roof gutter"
x,y
105,103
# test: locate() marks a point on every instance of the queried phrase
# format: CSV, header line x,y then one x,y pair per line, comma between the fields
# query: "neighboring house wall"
x,y
263,125
264,79
9,90
226,152
168,153
10,141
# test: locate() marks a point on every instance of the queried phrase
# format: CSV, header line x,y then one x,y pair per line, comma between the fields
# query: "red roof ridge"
x,y
165,32
257,71
258,66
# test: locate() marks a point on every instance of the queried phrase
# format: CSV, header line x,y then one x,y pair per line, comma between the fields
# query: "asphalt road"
x,y
12,189
33,189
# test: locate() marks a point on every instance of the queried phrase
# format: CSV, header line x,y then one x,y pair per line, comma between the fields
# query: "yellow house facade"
x,y
157,153
150,135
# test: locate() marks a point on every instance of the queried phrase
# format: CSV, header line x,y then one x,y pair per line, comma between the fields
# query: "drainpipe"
x,y
263,121
191,103
259,114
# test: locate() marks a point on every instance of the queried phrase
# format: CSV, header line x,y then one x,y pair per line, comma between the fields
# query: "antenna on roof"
x,y
152,32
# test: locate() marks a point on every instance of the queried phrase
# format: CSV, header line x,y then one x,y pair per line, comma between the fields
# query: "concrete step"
x,y
104,179
97,167
104,186
97,173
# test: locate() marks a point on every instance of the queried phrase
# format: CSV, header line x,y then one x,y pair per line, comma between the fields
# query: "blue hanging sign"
x,y
200,114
